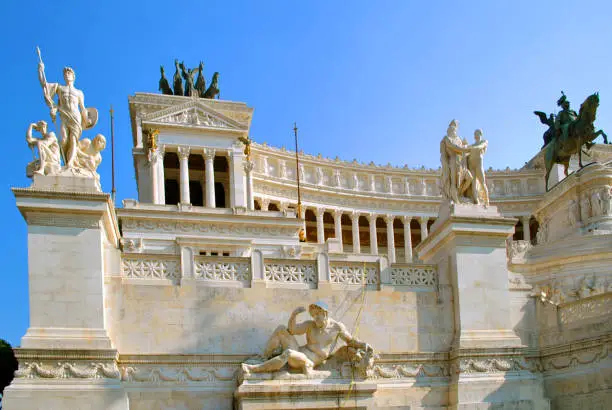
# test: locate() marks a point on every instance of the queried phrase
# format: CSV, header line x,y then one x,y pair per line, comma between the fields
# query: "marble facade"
x,y
156,303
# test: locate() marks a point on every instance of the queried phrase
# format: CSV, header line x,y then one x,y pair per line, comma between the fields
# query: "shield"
x,y
92,117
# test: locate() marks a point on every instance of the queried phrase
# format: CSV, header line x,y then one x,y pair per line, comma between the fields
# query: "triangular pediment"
x,y
193,114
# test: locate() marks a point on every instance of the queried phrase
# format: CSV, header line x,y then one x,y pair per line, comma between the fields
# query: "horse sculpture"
x,y
580,131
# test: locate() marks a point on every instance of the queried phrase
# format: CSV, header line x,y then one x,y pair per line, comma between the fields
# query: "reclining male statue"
x,y
322,334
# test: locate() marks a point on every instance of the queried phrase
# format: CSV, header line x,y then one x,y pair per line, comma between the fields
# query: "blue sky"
x,y
377,81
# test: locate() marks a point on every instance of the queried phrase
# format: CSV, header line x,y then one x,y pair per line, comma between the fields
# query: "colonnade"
x,y
238,191
373,234
424,224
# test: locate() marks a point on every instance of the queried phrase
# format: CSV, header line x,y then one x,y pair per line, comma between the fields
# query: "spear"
x,y
48,100
297,170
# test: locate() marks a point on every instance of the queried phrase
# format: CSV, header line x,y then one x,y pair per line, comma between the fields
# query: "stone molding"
x,y
211,368
207,227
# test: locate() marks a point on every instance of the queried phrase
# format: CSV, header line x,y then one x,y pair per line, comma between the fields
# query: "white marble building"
x,y
156,303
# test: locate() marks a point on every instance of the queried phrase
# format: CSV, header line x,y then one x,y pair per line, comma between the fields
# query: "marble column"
x,y
355,221
338,226
248,168
423,221
320,229
526,229
209,156
156,161
373,239
183,154
407,240
390,238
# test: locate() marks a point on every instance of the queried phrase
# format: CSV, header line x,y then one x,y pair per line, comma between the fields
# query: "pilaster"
x,y
468,244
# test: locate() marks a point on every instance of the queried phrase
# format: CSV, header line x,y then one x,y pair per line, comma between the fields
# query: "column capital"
x,y
371,217
319,211
338,213
525,218
355,215
209,154
183,152
248,166
389,218
423,219
407,219
156,154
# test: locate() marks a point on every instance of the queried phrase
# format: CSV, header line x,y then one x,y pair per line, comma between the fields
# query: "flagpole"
x,y
112,118
297,170
302,233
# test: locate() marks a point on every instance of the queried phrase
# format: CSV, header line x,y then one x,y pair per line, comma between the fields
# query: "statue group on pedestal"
x,y
323,336
568,131
191,88
81,156
463,177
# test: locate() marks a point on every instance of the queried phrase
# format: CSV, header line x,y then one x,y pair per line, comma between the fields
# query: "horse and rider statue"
x,y
568,131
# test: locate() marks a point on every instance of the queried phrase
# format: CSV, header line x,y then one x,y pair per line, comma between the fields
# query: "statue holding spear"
x,y
71,107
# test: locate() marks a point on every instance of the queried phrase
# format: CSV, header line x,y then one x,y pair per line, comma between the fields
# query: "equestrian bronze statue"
x,y
569,131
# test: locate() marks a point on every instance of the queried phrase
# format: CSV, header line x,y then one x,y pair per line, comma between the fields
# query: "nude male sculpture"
x,y
322,334
476,153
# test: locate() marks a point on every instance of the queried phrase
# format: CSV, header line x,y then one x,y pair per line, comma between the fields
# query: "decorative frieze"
x,y
592,307
561,291
67,370
495,365
398,371
233,229
571,359
181,374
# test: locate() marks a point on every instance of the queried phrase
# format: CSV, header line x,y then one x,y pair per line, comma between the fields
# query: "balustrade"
x,y
289,271
354,273
238,271
223,269
150,267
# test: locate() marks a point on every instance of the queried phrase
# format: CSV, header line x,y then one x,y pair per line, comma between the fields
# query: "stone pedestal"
x,y
66,358
304,394
468,244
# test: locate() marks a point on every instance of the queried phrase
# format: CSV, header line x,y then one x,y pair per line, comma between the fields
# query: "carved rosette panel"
x,y
417,276
354,274
223,270
296,272
149,268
